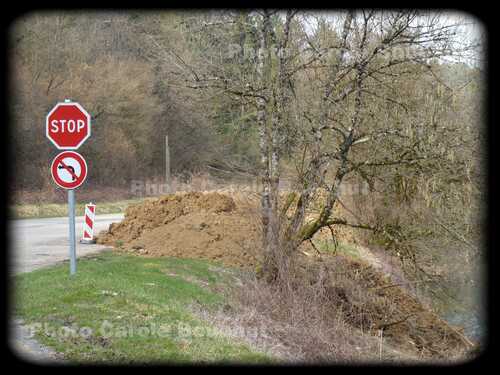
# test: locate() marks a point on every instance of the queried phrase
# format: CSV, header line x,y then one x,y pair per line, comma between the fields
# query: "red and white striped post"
x,y
88,224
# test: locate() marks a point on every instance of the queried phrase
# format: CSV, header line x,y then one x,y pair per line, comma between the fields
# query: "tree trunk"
x,y
268,199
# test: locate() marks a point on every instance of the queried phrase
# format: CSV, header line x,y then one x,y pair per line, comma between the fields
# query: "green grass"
x,y
25,211
327,246
120,296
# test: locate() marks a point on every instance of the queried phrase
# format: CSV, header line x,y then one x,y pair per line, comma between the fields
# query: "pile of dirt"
x,y
189,225
220,226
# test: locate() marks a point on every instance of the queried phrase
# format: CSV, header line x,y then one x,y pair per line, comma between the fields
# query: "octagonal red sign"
x,y
68,125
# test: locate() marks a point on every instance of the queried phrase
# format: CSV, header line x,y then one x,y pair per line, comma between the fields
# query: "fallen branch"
x,y
385,325
345,222
401,284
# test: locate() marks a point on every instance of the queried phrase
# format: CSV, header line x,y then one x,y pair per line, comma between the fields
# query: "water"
x,y
473,323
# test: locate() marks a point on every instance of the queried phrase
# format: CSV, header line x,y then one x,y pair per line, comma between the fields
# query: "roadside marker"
x,y
88,224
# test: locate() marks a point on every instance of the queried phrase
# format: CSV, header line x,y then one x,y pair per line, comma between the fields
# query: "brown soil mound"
x,y
190,225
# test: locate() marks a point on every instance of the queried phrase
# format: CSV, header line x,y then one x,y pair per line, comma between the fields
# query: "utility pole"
x,y
167,166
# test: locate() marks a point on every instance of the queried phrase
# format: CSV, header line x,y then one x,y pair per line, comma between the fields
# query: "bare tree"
x,y
328,87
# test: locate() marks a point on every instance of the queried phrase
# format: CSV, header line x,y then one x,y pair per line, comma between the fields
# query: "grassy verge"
x,y
327,246
26,211
128,309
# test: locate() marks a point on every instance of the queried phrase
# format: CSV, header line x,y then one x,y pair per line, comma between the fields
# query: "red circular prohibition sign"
x,y
69,169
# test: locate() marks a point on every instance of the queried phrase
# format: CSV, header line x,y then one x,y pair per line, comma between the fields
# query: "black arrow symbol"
x,y
68,167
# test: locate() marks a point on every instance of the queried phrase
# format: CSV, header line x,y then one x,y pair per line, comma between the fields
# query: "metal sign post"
x,y
67,126
69,171
72,240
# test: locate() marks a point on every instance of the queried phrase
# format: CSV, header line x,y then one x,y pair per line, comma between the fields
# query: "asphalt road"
x,y
34,243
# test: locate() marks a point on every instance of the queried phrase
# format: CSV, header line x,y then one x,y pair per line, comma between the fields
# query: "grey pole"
x,y
168,179
72,244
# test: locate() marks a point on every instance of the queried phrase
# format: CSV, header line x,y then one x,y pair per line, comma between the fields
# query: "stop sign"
x,y
68,125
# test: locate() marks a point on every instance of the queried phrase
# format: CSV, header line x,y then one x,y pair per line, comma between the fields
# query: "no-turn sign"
x,y
69,169
67,125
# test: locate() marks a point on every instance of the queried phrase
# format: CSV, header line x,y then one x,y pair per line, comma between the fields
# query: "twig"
x,y
334,238
401,284
385,325
314,247
381,333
